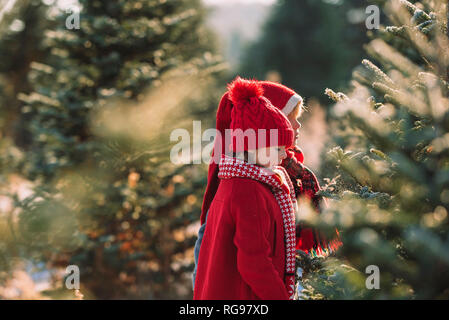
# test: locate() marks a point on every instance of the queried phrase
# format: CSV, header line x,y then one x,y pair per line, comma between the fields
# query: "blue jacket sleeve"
x,y
196,250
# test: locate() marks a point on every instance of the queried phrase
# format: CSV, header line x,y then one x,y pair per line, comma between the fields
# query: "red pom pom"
x,y
242,90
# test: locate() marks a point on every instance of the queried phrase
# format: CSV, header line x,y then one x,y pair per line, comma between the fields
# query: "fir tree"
x,y
20,44
107,197
391,180
311,44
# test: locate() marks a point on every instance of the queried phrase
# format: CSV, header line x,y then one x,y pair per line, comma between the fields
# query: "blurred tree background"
x,y
20,44
295,47
390,163
97,105
87,119
298,39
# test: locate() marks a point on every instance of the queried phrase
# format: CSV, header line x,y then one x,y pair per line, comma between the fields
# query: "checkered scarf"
x,y
284,193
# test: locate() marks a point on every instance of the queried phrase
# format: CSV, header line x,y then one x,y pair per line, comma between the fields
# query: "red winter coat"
x,y
242,255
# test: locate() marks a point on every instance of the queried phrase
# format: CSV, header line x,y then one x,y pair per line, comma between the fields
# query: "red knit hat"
x,y
282,97
222,123
252,112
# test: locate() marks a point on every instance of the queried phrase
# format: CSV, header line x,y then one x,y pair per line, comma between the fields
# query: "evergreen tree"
x,y
312,44
20,44
391,184
107,197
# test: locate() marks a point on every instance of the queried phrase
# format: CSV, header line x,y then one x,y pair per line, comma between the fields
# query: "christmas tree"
x,y
20,44
311,44
391,186
121,76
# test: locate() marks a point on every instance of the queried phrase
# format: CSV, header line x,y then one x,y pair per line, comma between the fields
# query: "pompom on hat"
x,y
253,112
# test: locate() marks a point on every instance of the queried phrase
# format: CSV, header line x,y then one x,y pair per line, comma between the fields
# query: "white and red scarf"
x,y
282,188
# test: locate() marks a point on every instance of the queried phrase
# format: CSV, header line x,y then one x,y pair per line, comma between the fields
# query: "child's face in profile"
x,y
293,117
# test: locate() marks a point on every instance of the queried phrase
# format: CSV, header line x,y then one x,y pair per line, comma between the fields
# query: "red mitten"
x,y
299,155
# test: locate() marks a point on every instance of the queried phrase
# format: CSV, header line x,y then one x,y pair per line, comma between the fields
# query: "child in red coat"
x,y
248,247
304,180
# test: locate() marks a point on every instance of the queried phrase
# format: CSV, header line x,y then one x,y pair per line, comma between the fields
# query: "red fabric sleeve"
x,y
253,261
305,239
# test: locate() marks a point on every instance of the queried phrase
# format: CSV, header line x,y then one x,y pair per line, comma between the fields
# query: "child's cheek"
x,y
275,158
